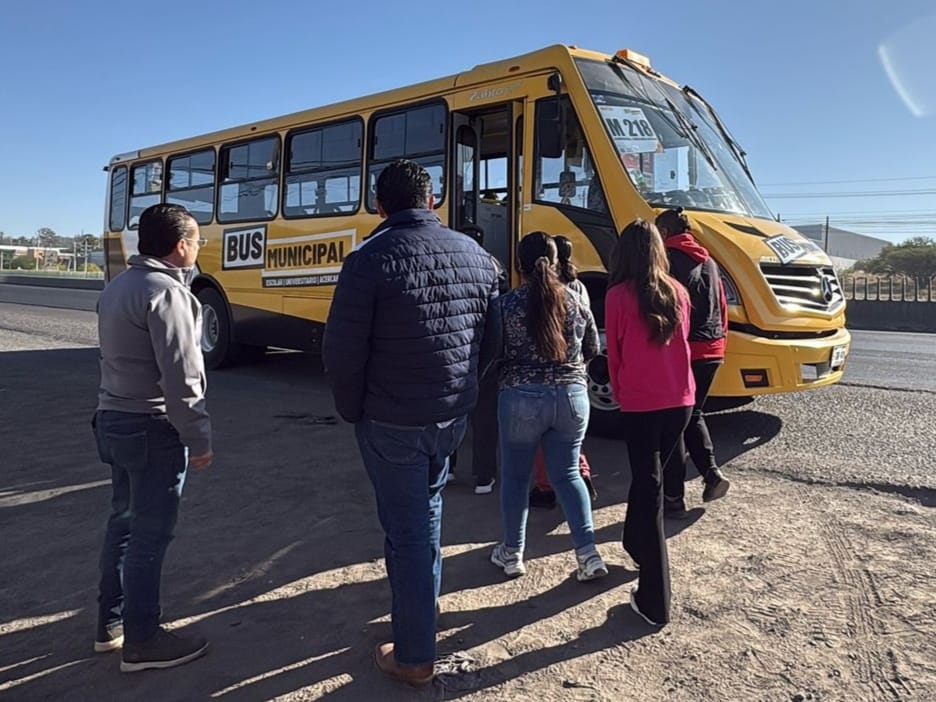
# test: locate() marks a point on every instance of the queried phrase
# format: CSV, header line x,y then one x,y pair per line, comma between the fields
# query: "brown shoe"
x,y
411,675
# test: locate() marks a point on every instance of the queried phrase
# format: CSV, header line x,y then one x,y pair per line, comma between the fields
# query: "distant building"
x,y
845,248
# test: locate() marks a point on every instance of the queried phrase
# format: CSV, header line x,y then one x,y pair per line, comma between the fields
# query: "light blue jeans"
x,y
554,416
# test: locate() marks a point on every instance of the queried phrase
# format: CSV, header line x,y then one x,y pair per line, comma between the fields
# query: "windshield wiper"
x,y
739,153
682,126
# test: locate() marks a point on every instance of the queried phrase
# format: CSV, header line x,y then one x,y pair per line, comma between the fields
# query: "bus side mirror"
x,y
567,184
548,129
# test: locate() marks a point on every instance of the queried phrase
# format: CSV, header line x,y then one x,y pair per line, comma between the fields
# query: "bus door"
x,y
485,173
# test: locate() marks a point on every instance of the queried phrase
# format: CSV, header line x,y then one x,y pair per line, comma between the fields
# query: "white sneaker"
x,y
509,559
590,567
484,488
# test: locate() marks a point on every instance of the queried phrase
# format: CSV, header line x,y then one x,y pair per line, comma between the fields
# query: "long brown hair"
x,y
546,300
639,256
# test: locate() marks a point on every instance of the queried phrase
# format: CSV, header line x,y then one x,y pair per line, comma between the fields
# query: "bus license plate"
x,y
838,356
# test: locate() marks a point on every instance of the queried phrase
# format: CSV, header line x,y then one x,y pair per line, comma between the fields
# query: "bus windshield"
x,y
671,144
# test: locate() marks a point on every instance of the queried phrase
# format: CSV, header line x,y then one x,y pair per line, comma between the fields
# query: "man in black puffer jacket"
x,y
401,351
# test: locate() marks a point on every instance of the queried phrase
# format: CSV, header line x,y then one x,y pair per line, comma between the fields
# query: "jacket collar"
x,y
151,263
402,218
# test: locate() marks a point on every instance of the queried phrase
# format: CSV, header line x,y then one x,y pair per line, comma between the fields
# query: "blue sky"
x,y
800,83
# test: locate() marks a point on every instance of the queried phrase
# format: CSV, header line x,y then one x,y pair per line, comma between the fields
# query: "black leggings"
x,y
696,440
651,437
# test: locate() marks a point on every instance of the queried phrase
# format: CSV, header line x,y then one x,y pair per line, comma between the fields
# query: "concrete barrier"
x,y
50,282
877,315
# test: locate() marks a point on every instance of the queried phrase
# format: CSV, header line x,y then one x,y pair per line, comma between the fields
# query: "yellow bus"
x,y
562,140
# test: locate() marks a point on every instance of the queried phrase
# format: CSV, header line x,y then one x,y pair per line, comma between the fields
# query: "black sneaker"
x,y
543,499
162,650
716,486
590,486
109,637
674,508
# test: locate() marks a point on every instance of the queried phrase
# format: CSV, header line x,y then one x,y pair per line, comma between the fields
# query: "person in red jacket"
x,y
647,325
691,265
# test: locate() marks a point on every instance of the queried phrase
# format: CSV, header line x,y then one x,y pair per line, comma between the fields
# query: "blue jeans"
x,y
555,416
408,467
148,466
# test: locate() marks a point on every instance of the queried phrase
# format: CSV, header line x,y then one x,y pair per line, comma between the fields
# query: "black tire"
x,y
605,418
218,345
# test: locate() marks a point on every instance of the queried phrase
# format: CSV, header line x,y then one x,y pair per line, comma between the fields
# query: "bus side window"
x,y
146,190
117,217
249,180
191,184
323,170
416,133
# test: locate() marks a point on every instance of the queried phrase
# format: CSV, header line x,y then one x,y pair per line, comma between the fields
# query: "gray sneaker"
x,y
590,566
162,650
511,560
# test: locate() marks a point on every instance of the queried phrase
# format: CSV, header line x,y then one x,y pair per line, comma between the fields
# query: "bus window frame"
x,y
536,172
110,198
279,177
214,183
362,172
162,189
369,161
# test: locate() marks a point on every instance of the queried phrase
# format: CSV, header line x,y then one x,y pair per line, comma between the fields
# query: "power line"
x,y
839,182
866,193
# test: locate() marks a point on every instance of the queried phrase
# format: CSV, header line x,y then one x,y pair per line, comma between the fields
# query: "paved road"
x,y
893,360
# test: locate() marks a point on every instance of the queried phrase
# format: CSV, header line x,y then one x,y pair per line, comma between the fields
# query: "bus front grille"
x,y
813,288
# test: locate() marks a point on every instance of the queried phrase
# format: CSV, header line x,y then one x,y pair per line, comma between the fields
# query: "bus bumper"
x,y
756,365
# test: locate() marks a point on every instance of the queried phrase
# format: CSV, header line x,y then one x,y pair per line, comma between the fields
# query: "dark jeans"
x,y
696,440
650,436
483,432
408,467
148,466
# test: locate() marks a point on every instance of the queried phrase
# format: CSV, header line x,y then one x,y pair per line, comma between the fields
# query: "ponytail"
x,y
546,311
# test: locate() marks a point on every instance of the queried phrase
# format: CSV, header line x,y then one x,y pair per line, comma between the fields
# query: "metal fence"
x,y
889,288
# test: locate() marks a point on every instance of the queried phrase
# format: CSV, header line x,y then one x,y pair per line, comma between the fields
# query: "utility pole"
x,y
825,246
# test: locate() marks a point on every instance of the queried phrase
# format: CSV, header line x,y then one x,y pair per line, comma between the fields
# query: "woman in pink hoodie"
x,y
647,324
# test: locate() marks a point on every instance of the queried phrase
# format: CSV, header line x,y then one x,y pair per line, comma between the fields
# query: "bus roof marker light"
x,y
633,57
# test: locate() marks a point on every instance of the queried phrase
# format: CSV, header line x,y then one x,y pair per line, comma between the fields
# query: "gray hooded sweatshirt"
x,y
149,325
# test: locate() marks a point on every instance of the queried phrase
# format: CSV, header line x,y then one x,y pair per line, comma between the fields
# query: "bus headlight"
x,y
731,290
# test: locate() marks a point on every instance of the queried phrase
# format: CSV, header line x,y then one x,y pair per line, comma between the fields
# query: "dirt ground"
x,y
782,591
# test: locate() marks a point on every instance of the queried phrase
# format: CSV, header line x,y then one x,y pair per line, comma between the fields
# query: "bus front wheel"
x,y
217,342
605,415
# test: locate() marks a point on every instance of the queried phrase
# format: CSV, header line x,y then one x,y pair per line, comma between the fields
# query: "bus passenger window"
x,y
249,181
147,189
323,170
191,184
417,134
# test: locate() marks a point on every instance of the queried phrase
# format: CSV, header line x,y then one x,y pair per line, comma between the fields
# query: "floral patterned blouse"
x,y
521,362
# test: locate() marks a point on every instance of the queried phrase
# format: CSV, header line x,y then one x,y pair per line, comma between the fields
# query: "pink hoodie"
x,y
646,376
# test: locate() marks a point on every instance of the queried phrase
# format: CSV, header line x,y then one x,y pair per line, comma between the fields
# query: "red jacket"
x,y
646,376
692,266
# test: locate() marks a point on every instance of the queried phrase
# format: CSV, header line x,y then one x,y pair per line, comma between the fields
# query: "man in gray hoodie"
x,y
151,424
